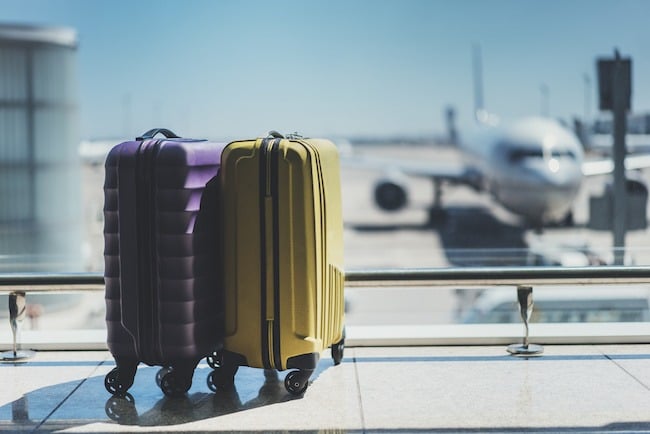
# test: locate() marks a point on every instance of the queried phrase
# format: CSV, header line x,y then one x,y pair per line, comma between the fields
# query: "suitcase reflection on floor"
x,y
245,394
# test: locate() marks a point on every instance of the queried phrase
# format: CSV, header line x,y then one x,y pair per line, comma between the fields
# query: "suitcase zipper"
x,y
275,189
270,251
148,328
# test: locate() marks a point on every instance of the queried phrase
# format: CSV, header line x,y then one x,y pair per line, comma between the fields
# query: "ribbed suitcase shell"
x,y
283,259
161,229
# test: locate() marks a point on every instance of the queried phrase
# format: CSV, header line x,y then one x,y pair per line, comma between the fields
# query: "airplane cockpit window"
x,y
558,153
518,155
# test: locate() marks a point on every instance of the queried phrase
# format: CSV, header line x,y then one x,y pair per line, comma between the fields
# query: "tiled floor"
x,y
390,389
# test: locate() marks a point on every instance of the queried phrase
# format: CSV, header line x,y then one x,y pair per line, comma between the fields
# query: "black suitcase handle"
x,y
274,135
153,132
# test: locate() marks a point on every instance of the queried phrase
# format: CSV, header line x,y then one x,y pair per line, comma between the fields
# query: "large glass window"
x,y
396,85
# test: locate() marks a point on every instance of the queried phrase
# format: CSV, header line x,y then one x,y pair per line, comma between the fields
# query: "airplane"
x,y
533,167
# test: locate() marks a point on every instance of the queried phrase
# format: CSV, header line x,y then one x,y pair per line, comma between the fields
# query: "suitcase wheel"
x,y
118,381
173,384
222,378
337,350
214,360
161,373
296,382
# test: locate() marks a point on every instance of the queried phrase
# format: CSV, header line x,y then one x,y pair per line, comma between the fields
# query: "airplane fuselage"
x,y
532,167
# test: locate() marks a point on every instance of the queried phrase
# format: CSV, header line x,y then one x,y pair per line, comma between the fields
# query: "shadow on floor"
x,y
196,406
473,236
81,402
470,236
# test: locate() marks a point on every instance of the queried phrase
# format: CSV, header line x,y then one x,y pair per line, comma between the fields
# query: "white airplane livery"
x,y
533,167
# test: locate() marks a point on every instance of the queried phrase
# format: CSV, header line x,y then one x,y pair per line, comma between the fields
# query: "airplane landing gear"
x,y
437,214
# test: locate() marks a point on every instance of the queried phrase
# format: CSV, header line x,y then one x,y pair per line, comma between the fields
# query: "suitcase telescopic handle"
x,y
153,132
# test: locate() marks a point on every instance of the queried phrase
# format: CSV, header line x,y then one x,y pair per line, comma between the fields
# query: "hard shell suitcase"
x,y
163,303
283,257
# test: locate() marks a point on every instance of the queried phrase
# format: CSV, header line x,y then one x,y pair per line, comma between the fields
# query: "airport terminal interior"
x,y
497,283
415,359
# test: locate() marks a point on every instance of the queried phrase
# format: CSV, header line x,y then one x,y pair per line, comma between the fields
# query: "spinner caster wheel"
x,y
295,383
173,385
161,373
222,378
338,349
214,360
117,383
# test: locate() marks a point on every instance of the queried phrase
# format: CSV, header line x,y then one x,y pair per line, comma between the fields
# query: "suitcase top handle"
x,y
153,132
275,135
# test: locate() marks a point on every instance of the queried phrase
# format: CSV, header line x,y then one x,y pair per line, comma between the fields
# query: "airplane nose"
x,y
555,197
558,175
557,191
545,190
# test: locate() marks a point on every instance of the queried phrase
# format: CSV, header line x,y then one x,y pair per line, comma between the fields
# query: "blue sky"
x,y
223,69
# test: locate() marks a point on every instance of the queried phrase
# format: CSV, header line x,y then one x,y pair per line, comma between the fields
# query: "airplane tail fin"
x,y
480,112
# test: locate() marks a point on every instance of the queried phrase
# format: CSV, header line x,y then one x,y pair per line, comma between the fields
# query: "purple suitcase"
x,y
163,304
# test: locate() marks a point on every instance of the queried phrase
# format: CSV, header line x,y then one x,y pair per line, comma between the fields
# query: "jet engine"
x,y
391,194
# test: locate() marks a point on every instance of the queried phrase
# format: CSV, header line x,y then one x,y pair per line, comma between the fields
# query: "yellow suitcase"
x,y
282,259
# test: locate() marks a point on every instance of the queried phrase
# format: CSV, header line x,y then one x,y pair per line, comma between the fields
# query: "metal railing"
x,y
402,277
497,276
474,276
18,286
51,282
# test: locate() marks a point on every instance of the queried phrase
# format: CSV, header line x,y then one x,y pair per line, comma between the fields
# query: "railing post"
x,y
525,299
17,312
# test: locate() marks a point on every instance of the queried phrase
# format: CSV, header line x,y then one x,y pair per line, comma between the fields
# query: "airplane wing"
x,y
604,167
449,171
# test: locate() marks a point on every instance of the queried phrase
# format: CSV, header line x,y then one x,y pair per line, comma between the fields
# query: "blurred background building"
x,y
41,225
